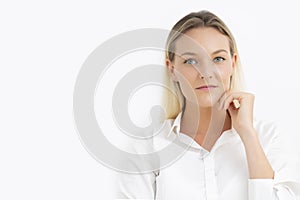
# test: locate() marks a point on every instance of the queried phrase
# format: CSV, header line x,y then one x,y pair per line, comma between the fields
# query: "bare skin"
x,y
205,116
210,128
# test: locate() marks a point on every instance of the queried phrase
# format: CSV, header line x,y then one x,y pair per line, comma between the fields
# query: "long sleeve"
x,y
140,184
135,186
285,163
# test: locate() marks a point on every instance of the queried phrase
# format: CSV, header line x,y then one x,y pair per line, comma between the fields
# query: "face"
x,y
202,59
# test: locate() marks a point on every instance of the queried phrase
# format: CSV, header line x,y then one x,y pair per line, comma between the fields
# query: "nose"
x,y
206,70
207,76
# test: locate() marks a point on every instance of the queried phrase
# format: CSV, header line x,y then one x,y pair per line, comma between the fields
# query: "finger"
x,y
222,98
230,100
236,103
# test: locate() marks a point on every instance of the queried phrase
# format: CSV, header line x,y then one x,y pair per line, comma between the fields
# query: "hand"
x,y
242,117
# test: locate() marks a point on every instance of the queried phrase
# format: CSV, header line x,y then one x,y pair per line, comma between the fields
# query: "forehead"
x,y
205,39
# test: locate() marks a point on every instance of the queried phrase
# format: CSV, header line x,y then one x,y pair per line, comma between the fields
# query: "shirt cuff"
x,y
260,189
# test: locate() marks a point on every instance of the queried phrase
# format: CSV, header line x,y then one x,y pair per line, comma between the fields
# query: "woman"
x,y
232,156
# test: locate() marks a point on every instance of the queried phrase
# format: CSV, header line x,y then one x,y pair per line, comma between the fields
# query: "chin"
x,y
207,103
203,100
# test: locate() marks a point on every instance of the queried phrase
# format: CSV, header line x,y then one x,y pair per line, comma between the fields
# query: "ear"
x,y
170,67
234,61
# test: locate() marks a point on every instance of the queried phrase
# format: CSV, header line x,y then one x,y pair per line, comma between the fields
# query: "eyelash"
x,y
190,59
216,59
223,59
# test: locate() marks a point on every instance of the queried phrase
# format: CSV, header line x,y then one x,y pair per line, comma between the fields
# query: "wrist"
x,y
249,135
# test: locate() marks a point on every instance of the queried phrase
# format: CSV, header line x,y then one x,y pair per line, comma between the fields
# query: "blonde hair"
x,y
175,103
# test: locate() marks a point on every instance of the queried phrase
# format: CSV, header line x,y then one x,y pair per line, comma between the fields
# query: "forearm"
x,y
258,164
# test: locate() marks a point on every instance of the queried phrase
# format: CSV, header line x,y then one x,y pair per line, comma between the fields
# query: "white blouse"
x,y
221,174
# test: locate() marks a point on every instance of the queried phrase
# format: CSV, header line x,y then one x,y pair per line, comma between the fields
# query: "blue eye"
x,y
219,59
190,61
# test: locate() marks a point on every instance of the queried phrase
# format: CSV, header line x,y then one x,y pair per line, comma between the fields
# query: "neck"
x,y
204,122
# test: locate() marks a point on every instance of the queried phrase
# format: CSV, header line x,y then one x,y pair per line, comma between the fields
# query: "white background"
x,y
43,45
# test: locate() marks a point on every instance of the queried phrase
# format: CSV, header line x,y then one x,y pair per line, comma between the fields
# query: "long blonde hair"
x,y
175,103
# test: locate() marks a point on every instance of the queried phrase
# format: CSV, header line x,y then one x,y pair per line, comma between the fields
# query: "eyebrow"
x,y
193,54
220,50
188,53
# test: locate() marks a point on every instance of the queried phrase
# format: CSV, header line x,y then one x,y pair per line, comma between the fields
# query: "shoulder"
x,y
273,138
266,128
163,135
267,131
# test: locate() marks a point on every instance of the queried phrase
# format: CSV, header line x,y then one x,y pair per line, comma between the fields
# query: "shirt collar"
x,y
175,129
176,125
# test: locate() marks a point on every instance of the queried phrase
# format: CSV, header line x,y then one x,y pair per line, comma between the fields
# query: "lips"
x,y
206,86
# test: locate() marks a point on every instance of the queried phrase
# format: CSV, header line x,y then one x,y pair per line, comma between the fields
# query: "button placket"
x,y
210,178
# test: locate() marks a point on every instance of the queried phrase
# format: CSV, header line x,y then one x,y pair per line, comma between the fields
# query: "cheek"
x,y
187,75
186,79
224,70
223,74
